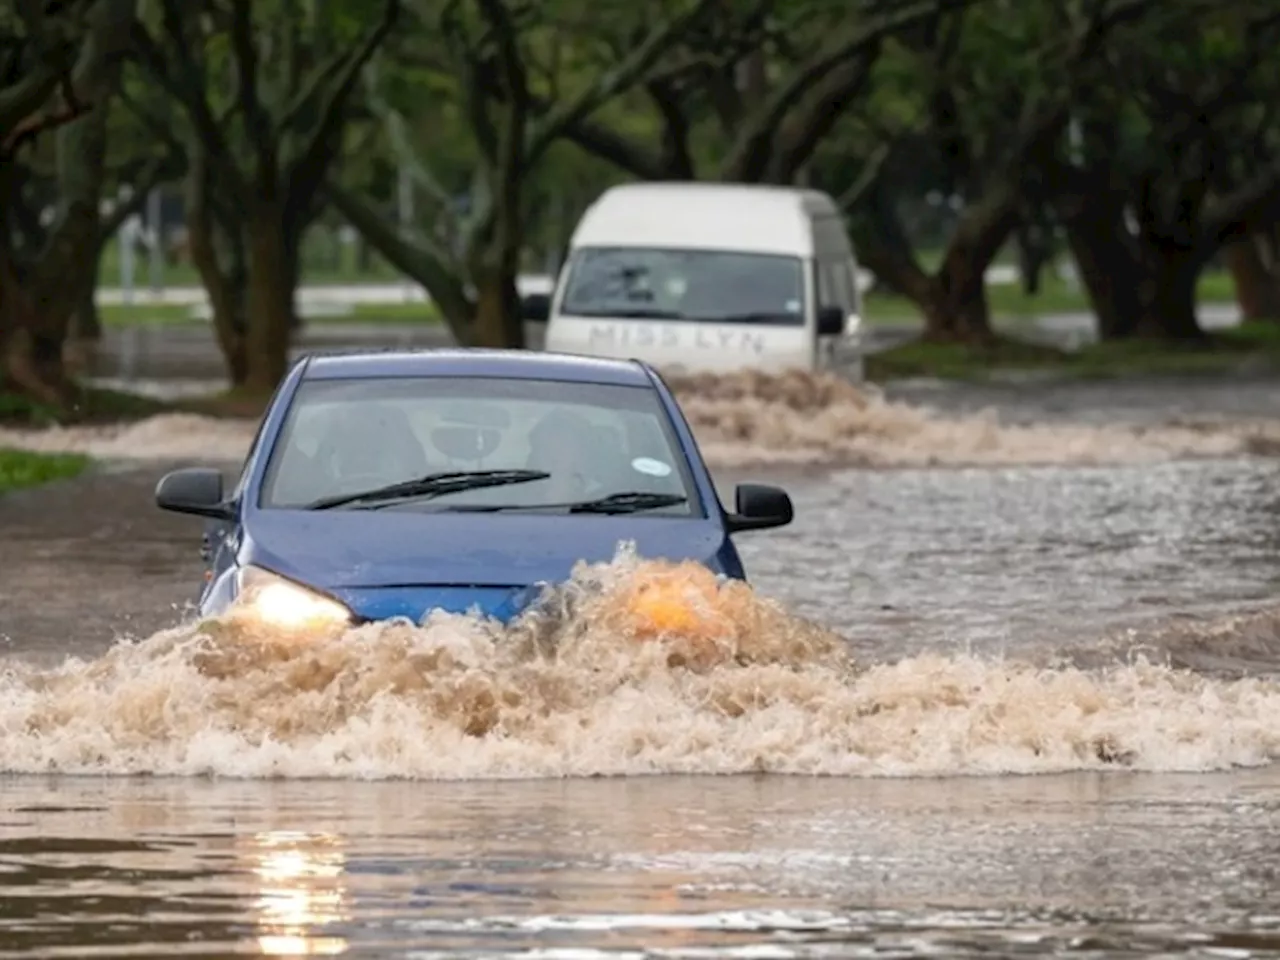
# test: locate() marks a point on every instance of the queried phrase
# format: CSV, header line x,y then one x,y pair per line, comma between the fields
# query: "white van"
x,y
696,277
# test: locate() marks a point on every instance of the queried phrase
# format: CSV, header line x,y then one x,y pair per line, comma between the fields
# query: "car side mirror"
x,y
830,321
536,307
758,506
194,490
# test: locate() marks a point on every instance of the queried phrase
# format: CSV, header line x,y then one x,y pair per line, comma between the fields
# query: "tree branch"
x,y
424,265
753,147
153,173
307,172
186,83
564,116
676,154
80,77
21,100
851,197
1250,207
28,130
802,131
510,158
257,123
637,159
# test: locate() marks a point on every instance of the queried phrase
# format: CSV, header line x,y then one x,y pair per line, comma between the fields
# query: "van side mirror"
x,y
830,321
758,506
195,490
536,307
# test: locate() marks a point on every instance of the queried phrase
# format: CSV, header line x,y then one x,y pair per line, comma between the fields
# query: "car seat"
x,y
374,439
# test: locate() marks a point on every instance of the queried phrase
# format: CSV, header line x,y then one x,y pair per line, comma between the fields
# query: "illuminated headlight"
x,y
852,325
274,601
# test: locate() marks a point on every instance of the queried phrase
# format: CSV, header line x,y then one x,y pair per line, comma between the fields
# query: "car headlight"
x,y
275,601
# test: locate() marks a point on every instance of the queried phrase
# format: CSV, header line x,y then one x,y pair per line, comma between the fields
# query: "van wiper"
x,y
642,313
773,316
627,503
432,485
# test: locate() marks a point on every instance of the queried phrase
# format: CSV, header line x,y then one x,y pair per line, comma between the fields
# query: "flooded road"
x,y
1082,866
1107,623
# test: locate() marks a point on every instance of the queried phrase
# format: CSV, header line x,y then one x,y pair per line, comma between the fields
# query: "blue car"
x,y
391,484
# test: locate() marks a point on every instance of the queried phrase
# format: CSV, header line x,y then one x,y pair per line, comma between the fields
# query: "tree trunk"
x,y
30,367
955,297
958,311
223,280
955,302
497,320
1257,286
1098,239
270,299
1167,294
86,322
44,288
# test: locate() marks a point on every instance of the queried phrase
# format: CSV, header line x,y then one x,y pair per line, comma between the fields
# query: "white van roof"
x,y
691,215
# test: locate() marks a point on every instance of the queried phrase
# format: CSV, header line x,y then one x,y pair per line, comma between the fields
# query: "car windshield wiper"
x,y
627,503
432,485
614,503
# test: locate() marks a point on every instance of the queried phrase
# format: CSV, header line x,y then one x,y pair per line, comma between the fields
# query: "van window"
x,y
836,285
713,286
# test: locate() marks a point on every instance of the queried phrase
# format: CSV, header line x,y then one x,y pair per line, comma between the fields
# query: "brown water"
x,y
1085,598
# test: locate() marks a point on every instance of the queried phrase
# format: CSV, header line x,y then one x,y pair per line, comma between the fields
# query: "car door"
x,y
835,287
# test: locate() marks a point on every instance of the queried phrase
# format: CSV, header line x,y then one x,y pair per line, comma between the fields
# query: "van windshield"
x,y
711,286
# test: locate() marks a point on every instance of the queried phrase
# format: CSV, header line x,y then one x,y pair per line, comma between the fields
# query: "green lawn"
x,y
148,314
1252,346
319,266
20,469
1008,302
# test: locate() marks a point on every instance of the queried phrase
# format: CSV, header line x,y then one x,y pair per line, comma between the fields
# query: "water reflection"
x,y
302,888
1079,866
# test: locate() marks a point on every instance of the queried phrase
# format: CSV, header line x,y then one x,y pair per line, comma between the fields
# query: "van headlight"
x,y
275,601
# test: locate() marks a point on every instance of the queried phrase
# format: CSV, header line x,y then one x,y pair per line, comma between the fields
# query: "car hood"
x,y
351,549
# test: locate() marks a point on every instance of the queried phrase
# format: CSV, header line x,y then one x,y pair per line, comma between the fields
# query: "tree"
x,y
1175,160
750,96
61,64
505,62
1254,263
267,92
993,93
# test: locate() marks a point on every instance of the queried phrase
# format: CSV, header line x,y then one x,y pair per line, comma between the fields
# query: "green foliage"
x,y
20,469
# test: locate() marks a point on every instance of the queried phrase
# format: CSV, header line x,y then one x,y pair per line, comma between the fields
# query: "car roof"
x,y
475,362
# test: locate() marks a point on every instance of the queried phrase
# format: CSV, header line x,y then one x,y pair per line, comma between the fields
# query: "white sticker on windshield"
x,y
654,468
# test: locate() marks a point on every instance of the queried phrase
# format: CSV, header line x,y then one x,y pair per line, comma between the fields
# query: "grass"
x,y
1008,302
20,469
146,314
92,406
1252,346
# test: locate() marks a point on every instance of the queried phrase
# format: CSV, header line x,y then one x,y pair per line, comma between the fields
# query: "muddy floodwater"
x,y
1021,697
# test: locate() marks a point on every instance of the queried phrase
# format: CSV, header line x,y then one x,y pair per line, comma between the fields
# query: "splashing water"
x,y
633,667
747,419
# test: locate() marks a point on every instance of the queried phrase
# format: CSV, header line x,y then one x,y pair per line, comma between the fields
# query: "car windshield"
x,y
344,437
692,285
